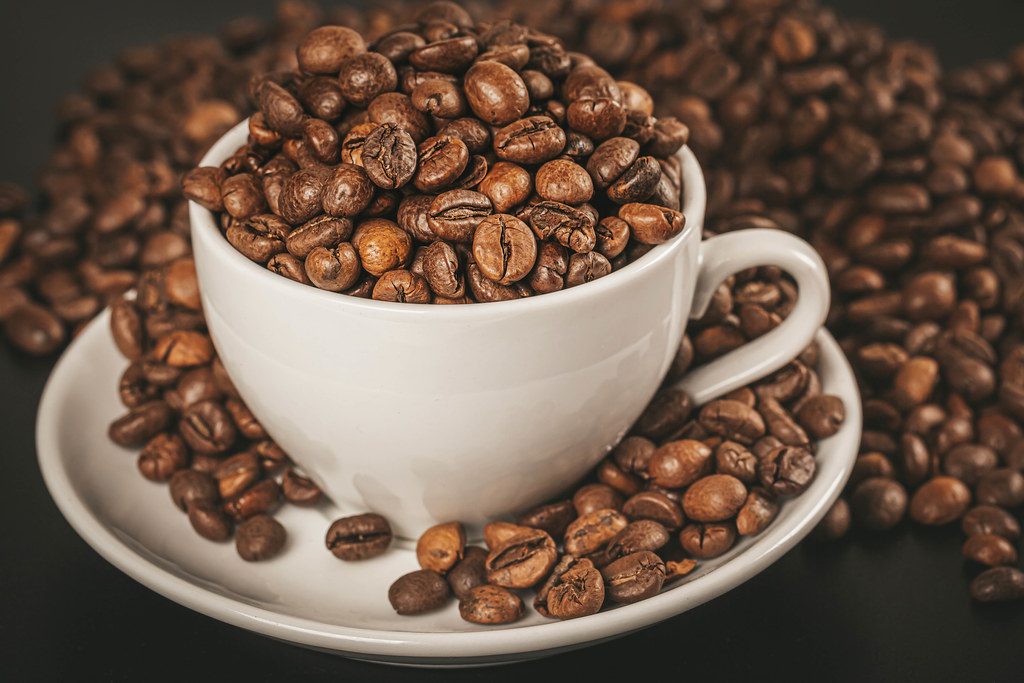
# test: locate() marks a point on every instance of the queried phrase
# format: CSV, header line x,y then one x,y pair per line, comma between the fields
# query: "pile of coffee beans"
x,y
906,179
447,162
192,428
678,490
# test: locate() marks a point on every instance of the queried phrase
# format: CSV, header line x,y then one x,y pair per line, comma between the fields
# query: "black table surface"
x,y
890,607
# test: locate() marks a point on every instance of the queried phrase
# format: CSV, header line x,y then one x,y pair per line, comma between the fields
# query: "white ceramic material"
x,y
434,413
305,595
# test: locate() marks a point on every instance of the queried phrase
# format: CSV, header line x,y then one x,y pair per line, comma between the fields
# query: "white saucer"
x,y
306,596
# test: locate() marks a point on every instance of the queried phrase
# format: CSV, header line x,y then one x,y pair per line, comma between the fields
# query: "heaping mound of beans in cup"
x,y
448,162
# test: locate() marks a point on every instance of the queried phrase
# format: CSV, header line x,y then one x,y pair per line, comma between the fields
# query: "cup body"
x,y
436,413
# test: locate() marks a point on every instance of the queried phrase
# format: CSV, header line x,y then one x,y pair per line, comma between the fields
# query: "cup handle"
x,y
729,253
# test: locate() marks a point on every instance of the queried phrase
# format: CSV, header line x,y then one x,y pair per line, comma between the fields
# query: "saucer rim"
x,y
425,647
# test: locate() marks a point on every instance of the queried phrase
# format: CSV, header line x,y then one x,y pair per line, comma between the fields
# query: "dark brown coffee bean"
x,y
565,224
402,286
417,592
335,269
835,524
237,473
207,428
562,180
879,503
504,248
611,159
442,159
553,518
126,328
259,538
365,76
531,140
162,456
593,497
382,246
644,534
389,156
441,546
202,185
574,589
679,463
496,93
262,497
34,330
441,270
655,506
939,501
209,521
787,471
732,420
998,584
491,605
140,424
989,549
585,268
359,537
469,572
634,577
323,50
665,415
322,231
441,98
347,191
299,490
989,519
507,185
598,118
522,560
182,349
591,532
822,415
188,486
735,459
455,215
1003,487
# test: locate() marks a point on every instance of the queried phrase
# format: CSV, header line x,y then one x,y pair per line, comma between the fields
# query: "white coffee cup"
x,y
427,414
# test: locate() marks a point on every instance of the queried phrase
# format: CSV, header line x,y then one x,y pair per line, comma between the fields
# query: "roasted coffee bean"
x,y
325,49
939,501
591,532
569,226
574,589
126,328
455,215
189,486
259,237
634,577
998,584
758,511
496,533
651,224
679,463
735,459
644,534
821,415
714,498
879,503
507,185
522,560
263,497
787,471
417,592
259,538
441,546
989,549
389,156
237,473
531,140
989,519
585,268
207,428
655,506
1003,487
835,524
442,159
491,605
611,159
242,195
335,269
382,246
561,180
440,98
34,330
733,420
633,455
553,518
209,521
365,76
706,541
665,415
347,191
598,496
358,537
299,490
162,456
504,248
496,93
140,424
469,572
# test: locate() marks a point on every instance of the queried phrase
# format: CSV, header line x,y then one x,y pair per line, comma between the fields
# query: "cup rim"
x,y
206,235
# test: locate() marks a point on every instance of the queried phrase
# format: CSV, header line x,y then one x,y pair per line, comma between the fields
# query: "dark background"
x,y
891,607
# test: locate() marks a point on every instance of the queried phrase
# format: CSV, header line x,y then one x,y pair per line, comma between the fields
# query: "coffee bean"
x,y
259,538
714,498
442,159
821,415
209,521
644,534
593,497
207,428
733,420
664,415
574,589
655,506
299,490
531,140
706,541
325,49
787,471
336,269
590,532
455,215
521,560
365,76
359,537
989,549
469,572
879,503
758,511
417,592
561,180
162,456
634,577
989,519
552,518
389,156
140,424
34,330
263,497
679,463
735,459
504,248
1003,487
441,546
491,605
565,224
237,473
998,584
835,524
382,246
507,185
939,501
188,486
126,328
496,93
